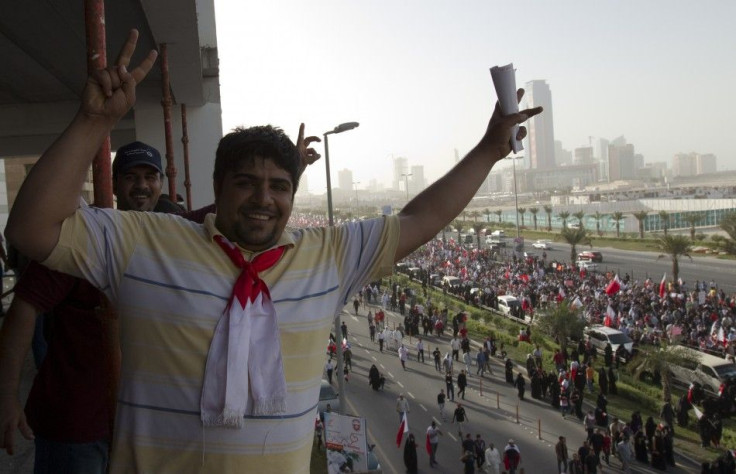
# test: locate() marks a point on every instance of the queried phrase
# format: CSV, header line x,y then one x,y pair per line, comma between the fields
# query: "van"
x,y
507,303
451,281
706,369
499,234
599,336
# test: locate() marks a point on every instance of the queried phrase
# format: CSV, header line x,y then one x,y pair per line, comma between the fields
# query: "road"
x,y
640,265
493,413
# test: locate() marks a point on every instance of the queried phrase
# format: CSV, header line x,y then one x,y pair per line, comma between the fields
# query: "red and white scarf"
x,y
244,360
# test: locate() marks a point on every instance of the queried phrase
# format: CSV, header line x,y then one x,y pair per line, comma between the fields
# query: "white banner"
x,y
346,442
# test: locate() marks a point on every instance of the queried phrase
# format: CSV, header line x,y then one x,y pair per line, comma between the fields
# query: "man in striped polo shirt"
x,y
179,286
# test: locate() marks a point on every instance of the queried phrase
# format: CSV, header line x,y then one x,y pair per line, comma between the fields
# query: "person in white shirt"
x,y
403,355
402,407
329,368
420,350
493,460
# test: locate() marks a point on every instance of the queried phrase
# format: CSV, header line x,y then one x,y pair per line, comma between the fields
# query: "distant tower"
x,y
400,168
345,180
416,180
539,145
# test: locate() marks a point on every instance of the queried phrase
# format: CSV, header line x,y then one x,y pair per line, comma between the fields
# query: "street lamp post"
x,y
343,127
516,195
406,184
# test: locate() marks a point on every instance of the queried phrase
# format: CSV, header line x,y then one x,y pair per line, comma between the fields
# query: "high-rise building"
x,y
691,164
562,156
400,169
345,180
416,180
583,155
621,162
600,152
539,145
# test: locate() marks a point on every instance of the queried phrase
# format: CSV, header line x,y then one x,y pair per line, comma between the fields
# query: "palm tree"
x,y
664,219
694,218
548,210
487,213
659,361
498,212
579,216
475,215
522,211
617,218
640,216
534,211
598,216
562,322
458,224
465,215
575,237
674,246
447,228
564,215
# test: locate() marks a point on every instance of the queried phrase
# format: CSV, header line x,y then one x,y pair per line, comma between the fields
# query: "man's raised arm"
x,y
51,191
432,209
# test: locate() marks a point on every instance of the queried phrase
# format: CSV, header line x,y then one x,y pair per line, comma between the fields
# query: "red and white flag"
x,y
403,428
614,286
663,286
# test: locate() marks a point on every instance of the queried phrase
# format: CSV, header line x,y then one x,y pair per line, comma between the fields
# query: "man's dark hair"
x,y
264,141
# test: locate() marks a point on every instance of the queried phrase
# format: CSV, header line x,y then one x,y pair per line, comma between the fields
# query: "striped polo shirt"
x,y
170,283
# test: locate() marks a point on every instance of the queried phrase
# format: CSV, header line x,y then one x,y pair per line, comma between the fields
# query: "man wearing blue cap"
x,y
137,177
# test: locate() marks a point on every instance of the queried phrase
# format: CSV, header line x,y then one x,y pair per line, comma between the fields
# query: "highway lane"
x,y
640,265
420,384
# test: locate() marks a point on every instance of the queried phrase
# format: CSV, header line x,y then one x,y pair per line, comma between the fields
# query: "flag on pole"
x,y
428,446
614,286
403,428
663,286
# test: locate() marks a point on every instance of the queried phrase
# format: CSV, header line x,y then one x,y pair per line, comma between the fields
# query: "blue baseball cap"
x,y
134,154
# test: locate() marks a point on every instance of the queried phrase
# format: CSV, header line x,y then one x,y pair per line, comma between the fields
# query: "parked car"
x,y
451,281
706,369
594,255
587,265
498,234
507,303
542,244
327,396
600,336
491,241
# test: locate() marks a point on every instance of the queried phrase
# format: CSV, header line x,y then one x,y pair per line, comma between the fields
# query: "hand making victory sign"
x,y
50,192
497,138
110,92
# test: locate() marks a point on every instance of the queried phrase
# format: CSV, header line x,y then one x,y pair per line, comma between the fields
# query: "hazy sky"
x,y
415,74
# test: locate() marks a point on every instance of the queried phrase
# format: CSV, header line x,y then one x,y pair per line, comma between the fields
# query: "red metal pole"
x,y
166,104
94,25
185,143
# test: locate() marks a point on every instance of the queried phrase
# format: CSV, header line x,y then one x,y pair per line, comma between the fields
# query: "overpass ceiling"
x,y
43,51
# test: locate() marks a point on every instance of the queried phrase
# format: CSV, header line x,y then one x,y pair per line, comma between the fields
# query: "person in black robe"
x,y
640,447
536,386
410,455
603,381
520,385
658,459
576,399
608,355
509,371
704,430
612,389
554,392
669,445
649,428
683,408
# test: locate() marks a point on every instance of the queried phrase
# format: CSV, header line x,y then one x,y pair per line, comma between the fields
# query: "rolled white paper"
x,y
504,81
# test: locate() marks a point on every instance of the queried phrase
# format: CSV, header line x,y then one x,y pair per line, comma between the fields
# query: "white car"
x,y
587,265
542,244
